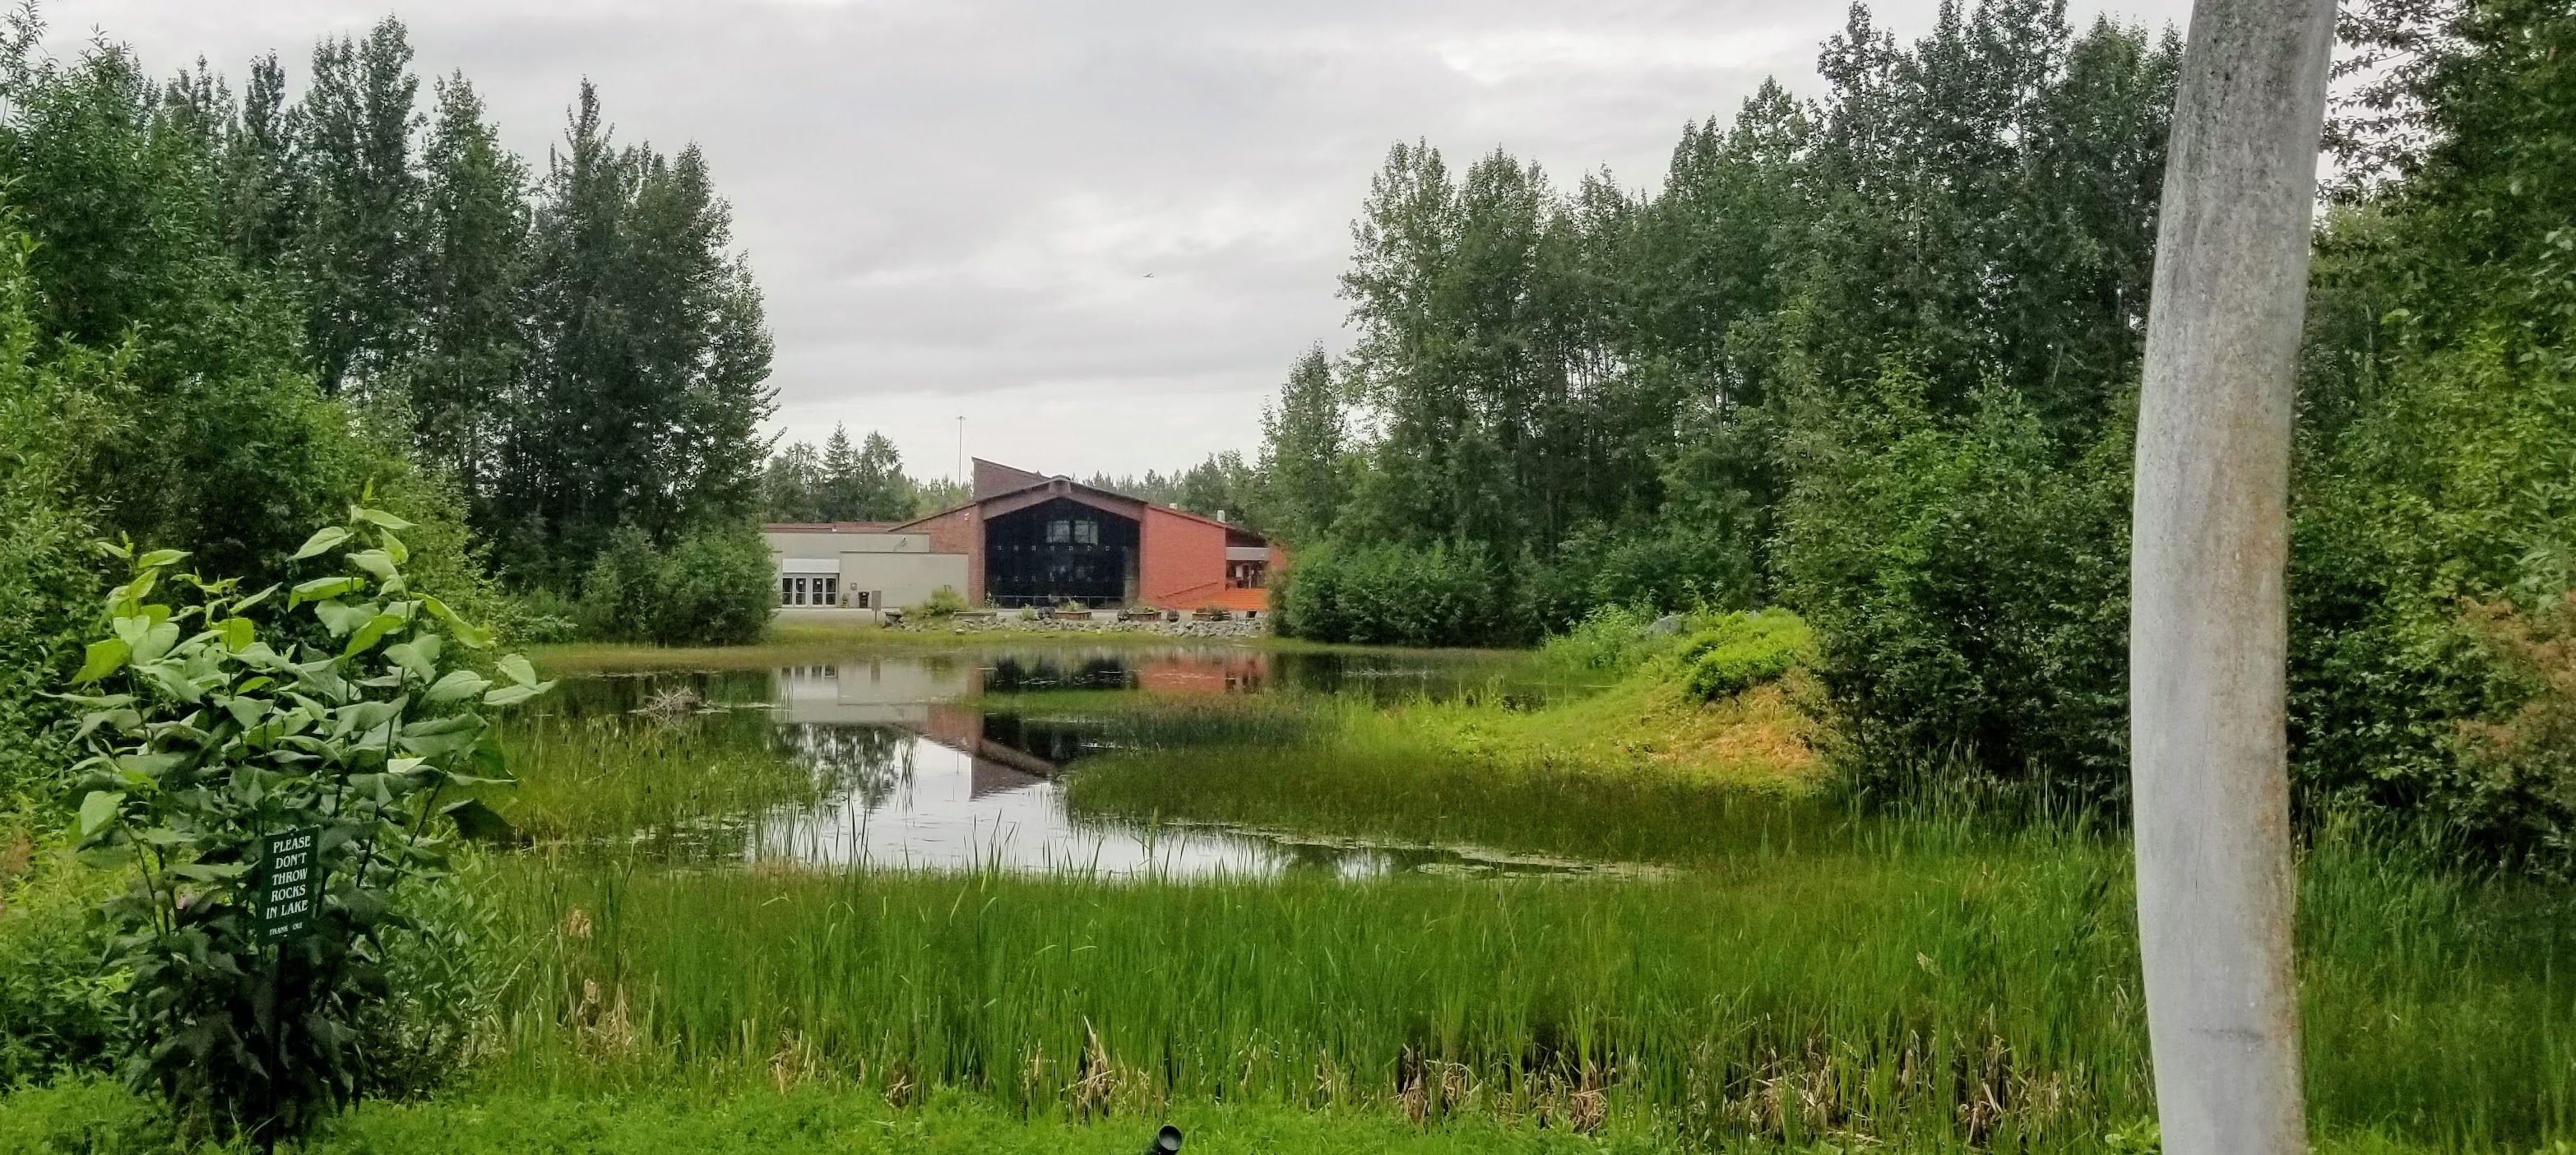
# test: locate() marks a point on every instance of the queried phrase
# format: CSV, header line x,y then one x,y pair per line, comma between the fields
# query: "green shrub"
x,y
1611,639
620,597
1442,595
1743,651
2430,553
443,978
202,739
716,587
942,603
47,580
56,415
1672,566
538,615
1967,581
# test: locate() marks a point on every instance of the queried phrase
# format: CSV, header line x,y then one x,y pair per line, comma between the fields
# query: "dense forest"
x,y
229,313
1586,396
1873,356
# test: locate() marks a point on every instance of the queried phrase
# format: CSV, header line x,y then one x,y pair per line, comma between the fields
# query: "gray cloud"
x,y
953,206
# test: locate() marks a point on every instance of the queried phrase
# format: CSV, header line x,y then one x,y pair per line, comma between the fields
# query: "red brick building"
x,y
1035,540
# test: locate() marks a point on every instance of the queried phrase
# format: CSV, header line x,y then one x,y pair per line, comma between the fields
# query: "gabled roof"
x,y
1049,482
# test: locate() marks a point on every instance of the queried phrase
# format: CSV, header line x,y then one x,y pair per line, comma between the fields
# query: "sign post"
x,y
287,887
284,892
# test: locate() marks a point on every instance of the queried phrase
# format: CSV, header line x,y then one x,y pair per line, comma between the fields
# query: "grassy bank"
x,y
1967,988
671,787
1380,779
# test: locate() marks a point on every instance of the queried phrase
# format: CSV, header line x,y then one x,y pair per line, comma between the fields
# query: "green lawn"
x,y
94,1119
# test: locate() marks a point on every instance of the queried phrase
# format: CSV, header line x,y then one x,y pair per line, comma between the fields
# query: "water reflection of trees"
x,y
868,765
1014,673
1236,670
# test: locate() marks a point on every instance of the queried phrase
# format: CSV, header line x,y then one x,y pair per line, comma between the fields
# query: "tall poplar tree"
x,y
262,203
472,272
357,252
642,405
1301,456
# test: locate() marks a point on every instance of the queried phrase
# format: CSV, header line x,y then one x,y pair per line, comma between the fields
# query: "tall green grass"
x,y
1924,984
683,788
1125,720
1343,766
1407,792
1808,973
2438,1002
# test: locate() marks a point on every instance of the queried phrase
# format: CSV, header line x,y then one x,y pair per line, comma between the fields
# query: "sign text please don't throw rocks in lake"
x,y
287,886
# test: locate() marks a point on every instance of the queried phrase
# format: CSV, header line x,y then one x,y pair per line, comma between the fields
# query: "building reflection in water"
x,y
916,774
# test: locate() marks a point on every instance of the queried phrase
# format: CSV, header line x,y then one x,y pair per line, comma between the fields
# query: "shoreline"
x,y
790,643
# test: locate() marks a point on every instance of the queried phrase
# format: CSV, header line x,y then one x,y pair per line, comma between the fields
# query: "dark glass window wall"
x,y
1057,551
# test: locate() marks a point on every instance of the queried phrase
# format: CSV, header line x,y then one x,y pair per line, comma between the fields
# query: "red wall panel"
x,y
1184,563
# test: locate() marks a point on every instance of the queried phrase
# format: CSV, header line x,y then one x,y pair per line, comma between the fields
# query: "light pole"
x,y
2209,611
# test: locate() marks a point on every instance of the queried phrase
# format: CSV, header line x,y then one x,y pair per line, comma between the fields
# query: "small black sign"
x,y
288,886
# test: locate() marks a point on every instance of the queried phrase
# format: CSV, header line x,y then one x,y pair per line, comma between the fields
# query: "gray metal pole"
x,y
2209,615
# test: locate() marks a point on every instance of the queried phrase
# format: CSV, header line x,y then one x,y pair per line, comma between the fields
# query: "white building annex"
x,y
856,568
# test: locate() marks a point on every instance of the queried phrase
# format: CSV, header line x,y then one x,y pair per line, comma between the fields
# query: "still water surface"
x,y
937,762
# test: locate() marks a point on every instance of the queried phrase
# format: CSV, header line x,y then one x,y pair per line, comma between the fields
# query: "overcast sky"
x,y
1098,231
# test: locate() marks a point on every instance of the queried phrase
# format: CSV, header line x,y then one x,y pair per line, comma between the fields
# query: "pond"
x,y
955,761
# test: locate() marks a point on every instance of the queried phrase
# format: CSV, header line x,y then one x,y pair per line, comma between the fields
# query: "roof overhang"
x,y
1003,504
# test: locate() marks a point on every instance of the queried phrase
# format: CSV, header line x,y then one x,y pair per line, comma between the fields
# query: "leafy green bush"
x,y
538,615
51,415
620,596
2430,552
1401,595
443,981
204,739
2516,782
716,587
1672,566
1611,639
1967,584
1743,651
943,602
